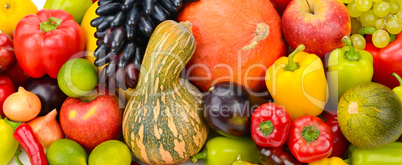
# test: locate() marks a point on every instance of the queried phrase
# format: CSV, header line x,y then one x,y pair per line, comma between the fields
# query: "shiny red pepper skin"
x,y
24,134
341,144
386,61
276,156
270,125
310,139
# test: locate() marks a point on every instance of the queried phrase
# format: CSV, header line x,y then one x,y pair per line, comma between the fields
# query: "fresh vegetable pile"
x,y
218,82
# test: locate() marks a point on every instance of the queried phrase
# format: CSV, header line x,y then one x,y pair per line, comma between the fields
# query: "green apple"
x,y
76,8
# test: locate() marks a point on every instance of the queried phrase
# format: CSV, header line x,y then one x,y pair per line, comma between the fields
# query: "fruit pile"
x,y
180,81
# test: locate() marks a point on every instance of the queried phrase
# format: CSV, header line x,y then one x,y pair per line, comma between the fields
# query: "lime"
x,y
77,77
111,152
66,151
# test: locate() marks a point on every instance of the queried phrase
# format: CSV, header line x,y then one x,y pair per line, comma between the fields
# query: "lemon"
x,y
77,77
11,12
66,151
111,152
89,34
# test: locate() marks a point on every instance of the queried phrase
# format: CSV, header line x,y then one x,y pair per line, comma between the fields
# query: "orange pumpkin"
x,y
235,40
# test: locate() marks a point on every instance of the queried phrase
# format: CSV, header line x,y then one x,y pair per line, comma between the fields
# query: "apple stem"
x,y
311,11
292,66
352,54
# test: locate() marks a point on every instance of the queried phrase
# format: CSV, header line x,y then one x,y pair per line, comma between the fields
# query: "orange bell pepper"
x,y
298,82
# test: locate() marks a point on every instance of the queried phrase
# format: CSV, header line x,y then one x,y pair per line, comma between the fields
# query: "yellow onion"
x,y
22,105
47,129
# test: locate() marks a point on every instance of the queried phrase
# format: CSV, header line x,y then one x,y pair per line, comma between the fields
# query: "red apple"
x,y
318,24
91,121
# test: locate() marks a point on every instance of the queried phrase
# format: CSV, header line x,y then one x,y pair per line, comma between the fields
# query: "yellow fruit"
x,y
89,34
111,152
66,151
12,11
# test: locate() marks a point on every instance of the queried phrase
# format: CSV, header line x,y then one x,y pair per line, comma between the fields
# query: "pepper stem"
x,y
292,66
12,124
200,155
266,128
398,77
367,30
352,54
310,133
17,158
51,24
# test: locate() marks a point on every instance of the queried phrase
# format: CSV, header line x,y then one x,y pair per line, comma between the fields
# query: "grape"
x,y
352,10
358,41
108,9
347,1
381,9
379,23
394,25
368,18
380,38
363,5
399,15
394,7
376,0
356,25
123,31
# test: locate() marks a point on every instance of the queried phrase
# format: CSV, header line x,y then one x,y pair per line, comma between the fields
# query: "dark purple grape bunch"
x,y
123,31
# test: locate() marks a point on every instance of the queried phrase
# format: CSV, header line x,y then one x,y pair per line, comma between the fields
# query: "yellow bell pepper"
x,y
8,144
298,82
329,161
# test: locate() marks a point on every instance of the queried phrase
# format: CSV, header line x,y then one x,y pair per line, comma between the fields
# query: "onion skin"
x,y
47,129
22,106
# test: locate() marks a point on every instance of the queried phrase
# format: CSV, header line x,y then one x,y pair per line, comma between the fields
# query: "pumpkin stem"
x,y
351,55
187,25
292,65
261,32
201,155
398,77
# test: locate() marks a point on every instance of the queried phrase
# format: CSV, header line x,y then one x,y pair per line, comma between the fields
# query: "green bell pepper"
x,y
398,89
8,145
390,154
77,8
347,67
224,151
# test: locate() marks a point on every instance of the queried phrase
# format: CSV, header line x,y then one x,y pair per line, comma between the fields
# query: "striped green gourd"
x,y
162,122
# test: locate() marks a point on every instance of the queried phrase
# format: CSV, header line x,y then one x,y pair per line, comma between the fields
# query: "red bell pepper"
x,y
270,125
6,89
341,144
310,139
386,60
45,41
7,57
